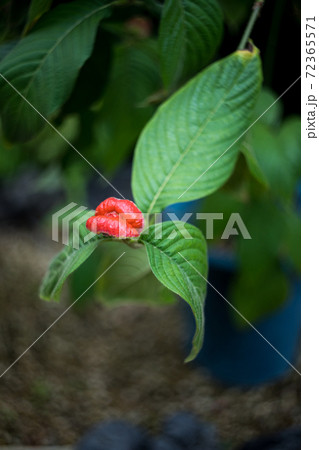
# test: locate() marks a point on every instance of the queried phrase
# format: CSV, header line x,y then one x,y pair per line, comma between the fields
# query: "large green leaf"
x,y
6,48
290,142
189,148
90,83
273,157
190,33
256,294
138,283
36,10
179,261
134,77
67,261
44,65
276,160
252,163
268,108
223,202
260,285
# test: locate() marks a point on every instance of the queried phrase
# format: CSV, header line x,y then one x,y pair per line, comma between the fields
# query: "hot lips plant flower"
x,y
187,151
118,218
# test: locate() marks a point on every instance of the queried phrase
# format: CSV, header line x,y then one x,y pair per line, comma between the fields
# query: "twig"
x,y
256,9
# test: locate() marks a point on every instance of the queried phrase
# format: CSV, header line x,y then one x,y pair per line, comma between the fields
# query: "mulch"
x,y
99,363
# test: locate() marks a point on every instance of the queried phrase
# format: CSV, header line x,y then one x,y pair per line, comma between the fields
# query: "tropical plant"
x,y
103,65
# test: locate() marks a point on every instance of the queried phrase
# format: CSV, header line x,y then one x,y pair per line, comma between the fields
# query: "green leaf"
x,y
290,142
92,78
11,157
44,65
261,285
253,164
236,12
49,146
6,48
223,202
177,255
258,293
36,10
190,146
124,112
67,261
292,239
131,279
190,33
273,159
268,99
265,221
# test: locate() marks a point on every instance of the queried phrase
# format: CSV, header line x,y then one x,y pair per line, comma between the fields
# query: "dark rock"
x,y
189,432
117,435
164,443
289,439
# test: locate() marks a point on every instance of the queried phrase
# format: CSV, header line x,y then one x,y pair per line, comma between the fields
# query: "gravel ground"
x,y
107,363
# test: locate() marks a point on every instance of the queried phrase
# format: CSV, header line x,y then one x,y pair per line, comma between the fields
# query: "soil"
x,y
100,363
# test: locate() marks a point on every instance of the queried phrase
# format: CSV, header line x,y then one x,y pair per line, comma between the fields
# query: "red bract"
x,y
118,218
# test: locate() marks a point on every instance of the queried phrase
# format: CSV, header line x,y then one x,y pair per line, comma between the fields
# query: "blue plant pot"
x,y
237,356
179,209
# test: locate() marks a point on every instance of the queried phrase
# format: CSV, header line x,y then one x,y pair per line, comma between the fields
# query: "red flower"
x,y
118,218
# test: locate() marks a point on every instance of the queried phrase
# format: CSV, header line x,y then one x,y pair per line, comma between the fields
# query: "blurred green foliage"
x,y
264,191
115,85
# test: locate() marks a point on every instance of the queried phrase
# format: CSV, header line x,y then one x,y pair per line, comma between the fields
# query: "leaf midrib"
x,y
184,31
68,264
182,156
58,42
178,265
189,146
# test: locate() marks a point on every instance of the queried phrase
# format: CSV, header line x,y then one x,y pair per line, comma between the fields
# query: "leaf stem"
x,y
256,9
133,243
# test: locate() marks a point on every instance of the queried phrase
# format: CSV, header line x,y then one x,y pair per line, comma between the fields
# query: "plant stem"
x,y
256,8
132,243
